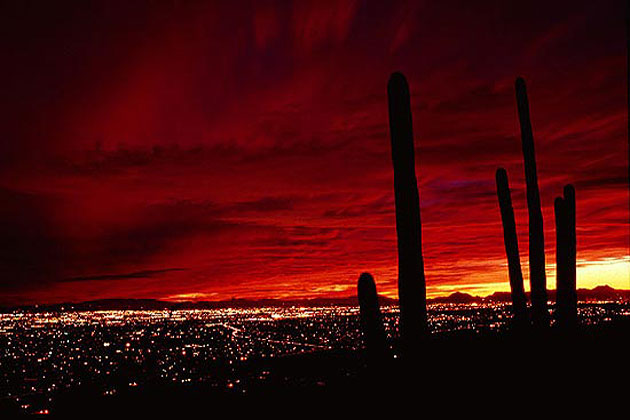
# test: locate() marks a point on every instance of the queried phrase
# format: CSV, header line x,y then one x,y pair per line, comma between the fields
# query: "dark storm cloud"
x,y
37,249
31,248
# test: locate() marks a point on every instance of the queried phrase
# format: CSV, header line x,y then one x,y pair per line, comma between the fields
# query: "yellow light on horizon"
x,y
613,272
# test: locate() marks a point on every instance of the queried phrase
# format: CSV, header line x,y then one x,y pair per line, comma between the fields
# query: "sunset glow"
x,y
209,151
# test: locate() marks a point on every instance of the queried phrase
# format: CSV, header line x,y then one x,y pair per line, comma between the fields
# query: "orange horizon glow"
x,y
589,276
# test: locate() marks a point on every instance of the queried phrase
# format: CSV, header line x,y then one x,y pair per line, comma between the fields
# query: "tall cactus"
x,y
566,294
560,212
569,199
537,277
411,280
519,301
371,323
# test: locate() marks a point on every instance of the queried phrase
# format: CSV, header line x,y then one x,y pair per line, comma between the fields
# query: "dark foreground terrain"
x,y
461,372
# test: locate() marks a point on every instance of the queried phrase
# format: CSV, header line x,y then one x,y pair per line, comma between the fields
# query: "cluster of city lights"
x,y
42,354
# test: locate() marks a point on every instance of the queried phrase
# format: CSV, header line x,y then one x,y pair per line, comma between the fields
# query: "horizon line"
x,y
283,299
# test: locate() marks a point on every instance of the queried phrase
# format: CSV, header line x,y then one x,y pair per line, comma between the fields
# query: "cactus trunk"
x,y
519,301
569,199
561,254
371,323
411,280
537,277
566,295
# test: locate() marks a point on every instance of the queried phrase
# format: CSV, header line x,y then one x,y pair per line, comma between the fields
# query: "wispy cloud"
x,y
119,276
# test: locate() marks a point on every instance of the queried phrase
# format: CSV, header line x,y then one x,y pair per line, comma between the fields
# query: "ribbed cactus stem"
x,y
560,212
519,301
537,277
566,294
371,322
569,199
411,280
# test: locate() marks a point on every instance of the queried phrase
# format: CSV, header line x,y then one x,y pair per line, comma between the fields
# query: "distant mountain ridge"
x,y
599,293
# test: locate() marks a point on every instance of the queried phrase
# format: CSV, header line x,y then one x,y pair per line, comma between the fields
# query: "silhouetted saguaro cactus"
x,y
371,322
566,294
411,281
561,258
569,199
537,277
519,301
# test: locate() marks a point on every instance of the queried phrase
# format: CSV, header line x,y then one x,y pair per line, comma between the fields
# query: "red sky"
x,y
182,150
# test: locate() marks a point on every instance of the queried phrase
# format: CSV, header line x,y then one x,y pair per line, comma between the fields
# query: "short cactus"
x,y
566,294
371,322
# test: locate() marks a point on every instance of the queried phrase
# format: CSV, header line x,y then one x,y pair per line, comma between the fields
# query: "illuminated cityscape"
x,y
43,354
